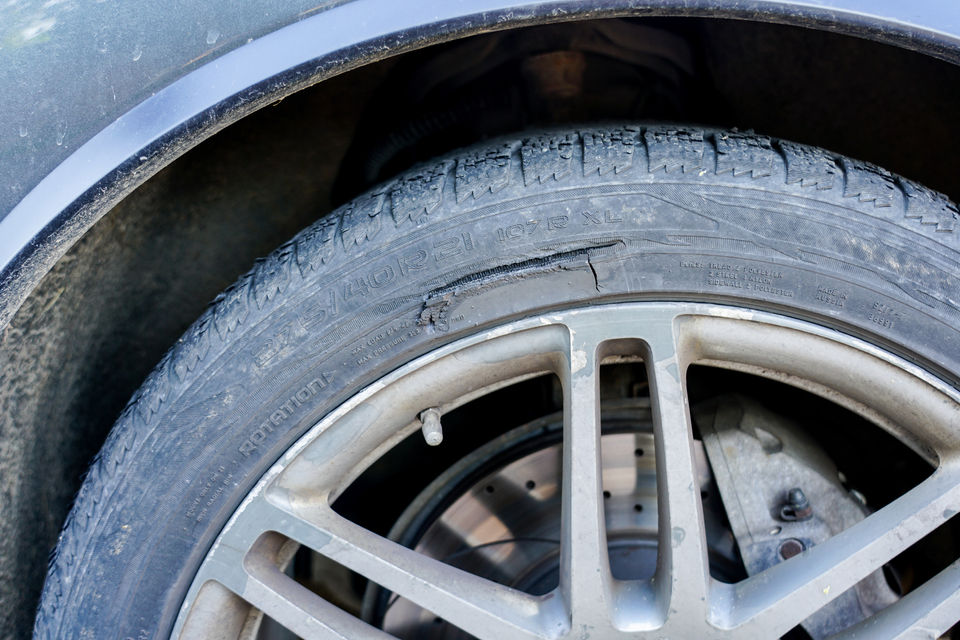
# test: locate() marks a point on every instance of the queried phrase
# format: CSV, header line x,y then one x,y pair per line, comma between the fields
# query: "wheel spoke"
x,y
299,609
683,577
933,607
255,577
585,579
478,606
786,594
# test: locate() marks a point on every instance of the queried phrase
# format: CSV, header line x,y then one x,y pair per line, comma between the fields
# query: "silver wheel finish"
x,y
681,600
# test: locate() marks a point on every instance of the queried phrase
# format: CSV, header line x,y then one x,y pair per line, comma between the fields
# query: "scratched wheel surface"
x,y
550,264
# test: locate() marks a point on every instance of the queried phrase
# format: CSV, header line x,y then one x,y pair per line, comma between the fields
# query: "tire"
x,y
491,234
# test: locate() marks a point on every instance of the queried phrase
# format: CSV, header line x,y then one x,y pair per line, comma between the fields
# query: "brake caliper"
x,y
783,495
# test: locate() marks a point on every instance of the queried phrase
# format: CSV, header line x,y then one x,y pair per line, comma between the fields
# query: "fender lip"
x,y
76,193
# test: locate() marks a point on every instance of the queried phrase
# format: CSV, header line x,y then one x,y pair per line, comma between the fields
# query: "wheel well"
x,y
101,319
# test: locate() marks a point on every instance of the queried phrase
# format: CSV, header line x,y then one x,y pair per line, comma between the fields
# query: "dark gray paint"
x,y
69,68
95,98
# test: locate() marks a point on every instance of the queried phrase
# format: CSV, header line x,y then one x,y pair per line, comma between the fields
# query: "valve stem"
x,y
431,428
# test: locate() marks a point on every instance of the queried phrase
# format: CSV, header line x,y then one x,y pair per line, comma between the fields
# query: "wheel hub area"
x,y
504,524
497,512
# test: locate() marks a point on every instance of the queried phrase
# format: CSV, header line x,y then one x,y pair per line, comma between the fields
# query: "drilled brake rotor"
x,y
496,513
